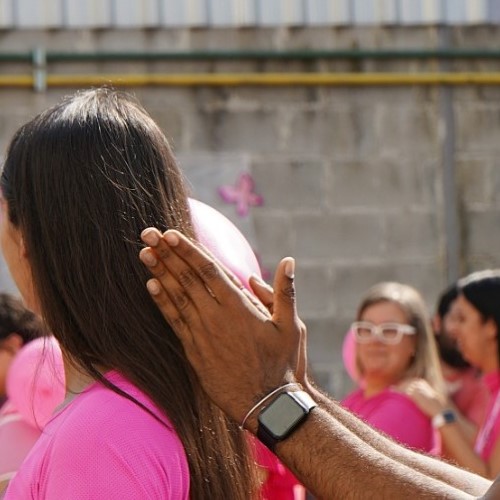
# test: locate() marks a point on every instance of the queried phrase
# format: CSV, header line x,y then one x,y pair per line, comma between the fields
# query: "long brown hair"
x,y
81,181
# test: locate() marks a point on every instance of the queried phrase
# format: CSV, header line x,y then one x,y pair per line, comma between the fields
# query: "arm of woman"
x,y
432,403
456,441
469,428
463,454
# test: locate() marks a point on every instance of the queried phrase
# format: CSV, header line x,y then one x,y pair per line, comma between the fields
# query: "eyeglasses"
x,y
387,333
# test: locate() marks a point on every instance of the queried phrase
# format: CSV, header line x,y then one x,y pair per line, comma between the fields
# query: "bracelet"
x,y
263,400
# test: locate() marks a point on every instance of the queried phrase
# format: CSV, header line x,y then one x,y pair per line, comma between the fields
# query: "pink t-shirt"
x,y
396,415
489,432
102,445
280,483
17,437
470,394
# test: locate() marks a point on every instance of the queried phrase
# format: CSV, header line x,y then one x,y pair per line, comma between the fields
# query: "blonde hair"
x,y
425,363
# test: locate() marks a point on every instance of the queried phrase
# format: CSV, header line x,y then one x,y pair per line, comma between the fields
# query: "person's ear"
x,y
12,343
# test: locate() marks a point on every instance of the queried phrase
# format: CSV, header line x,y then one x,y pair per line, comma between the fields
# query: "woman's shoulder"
x,y
103,429
101,418
397,397
103,411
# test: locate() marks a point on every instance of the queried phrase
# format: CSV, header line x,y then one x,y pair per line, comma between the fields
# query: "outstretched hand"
x,y
238,350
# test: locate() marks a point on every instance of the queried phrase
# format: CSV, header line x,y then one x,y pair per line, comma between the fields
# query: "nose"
x,y
377,339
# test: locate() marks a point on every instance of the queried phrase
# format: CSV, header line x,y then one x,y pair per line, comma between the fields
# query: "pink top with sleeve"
x,y
396,415
489,432
102,445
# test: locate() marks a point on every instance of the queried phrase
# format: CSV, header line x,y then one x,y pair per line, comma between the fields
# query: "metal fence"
x,y
54,14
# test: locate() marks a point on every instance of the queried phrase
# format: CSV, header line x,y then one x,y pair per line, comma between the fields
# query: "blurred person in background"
x,y
18,328
465,387
478,316
394,343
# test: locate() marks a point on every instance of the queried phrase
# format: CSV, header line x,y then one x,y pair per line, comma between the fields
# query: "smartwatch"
x,y
281,417
443,418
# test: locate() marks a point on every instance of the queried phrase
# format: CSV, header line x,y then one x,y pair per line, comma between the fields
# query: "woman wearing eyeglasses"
x,y
394,343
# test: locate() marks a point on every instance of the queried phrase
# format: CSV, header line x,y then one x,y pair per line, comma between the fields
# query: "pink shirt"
x,y
470,394
102,445
396,415
490,431
279,483
17,437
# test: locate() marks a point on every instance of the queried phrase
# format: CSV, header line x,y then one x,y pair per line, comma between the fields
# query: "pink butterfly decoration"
x,y
241,194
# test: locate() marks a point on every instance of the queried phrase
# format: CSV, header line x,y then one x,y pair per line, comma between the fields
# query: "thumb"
x,y
284,306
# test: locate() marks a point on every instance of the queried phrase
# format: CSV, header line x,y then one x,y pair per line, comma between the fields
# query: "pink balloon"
x,y
224,240
35,382
349,356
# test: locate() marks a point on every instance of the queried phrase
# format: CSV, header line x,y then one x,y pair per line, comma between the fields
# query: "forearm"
x,y
459,450
468,428
428,466
336,463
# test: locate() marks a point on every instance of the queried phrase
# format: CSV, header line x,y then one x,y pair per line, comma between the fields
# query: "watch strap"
x,y
305,401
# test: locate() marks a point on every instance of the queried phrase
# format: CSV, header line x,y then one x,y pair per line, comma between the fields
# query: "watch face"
x,y
282,415
449,416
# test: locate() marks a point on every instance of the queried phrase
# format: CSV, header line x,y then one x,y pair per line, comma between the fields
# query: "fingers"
x,y
187,283
237,282
196,271
229,274
285,311
169,310
263,294
262,291
168,291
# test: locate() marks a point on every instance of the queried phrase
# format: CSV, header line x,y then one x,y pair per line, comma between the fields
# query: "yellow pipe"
x,y
16,81
257,79
277,79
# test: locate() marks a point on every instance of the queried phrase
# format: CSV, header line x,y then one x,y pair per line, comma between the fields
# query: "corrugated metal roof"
x,y
97,13
199,13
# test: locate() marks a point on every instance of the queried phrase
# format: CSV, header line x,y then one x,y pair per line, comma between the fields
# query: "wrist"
x,y
250,420
279,419
445,417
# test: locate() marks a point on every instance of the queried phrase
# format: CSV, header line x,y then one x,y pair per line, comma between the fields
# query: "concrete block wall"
x,y
351,178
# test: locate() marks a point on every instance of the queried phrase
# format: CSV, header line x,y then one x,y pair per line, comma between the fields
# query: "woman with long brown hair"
x,y
80,182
